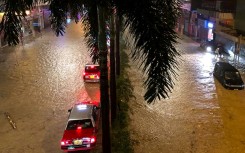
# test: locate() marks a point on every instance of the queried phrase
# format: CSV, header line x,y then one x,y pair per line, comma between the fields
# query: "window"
x,y
92,69
232,75
72,125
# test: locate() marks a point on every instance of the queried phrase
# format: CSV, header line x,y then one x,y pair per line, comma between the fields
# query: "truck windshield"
x,y
72,125
232,75
92,69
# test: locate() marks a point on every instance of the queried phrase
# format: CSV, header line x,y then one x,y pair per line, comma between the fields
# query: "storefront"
x,y
26,26
33,23
193,27
205,31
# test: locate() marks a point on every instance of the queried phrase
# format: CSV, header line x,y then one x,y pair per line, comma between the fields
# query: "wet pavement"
x,y
39,82
200,116
42,80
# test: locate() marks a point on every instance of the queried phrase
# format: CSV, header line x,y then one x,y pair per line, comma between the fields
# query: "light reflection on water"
x,y
194,88
199,111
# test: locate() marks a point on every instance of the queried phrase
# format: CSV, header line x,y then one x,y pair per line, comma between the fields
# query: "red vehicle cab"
x,y
91,73
81,129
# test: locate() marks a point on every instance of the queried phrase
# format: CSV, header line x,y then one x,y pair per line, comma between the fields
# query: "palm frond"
x,y
14,12
59,9
153,31
76,9
90,21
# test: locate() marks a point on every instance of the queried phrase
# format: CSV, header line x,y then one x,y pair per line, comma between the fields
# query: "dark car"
x,y
228,76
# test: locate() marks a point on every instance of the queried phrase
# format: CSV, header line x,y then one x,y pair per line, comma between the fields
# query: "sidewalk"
x,y
5,50
239,63
29,38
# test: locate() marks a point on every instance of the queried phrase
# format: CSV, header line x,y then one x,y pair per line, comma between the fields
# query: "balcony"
x,y
219,5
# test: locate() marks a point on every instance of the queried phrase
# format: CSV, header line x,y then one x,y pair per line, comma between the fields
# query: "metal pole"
x,y
239,48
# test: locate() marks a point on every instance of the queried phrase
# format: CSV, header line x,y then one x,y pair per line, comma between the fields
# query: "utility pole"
x,y
239,48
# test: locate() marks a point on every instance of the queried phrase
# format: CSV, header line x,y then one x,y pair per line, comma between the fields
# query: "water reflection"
x,y
90,92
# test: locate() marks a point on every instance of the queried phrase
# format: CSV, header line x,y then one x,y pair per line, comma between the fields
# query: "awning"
x,y
230,37
227,36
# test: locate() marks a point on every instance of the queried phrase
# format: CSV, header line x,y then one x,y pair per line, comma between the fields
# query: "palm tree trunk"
x,y
104,96
118,69
112,70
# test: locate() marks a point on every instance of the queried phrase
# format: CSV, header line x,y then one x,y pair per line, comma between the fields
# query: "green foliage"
x,y
124,88
154,37
90,22
14,13
58,16
124,59
121,141
76,7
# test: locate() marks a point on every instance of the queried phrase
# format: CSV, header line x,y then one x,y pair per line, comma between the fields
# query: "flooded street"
x,y
200,116
42,80
38,84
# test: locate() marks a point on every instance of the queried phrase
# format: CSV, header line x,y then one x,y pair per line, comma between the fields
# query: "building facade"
x,y
240,17
36,20
220,21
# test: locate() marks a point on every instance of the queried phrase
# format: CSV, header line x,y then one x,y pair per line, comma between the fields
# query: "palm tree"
x,y
117,42
150,22
113,98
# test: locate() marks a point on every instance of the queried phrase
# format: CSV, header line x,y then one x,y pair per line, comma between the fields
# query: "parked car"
x,y
208,45
82,127
91,73
211,46
228,76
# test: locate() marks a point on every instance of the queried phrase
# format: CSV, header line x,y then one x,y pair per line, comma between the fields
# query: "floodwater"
x,y
39,82
200,116
42,80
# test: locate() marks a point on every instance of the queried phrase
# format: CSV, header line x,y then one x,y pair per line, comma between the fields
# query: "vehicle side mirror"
x,y
96,107
69,110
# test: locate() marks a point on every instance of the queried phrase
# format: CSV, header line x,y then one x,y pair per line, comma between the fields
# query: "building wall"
x,y
195,4
46,14
226,43
36,19
226,15
240,16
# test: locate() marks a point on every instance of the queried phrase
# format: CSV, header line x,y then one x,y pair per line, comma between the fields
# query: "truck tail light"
x,y
65,142
62,143
92,140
